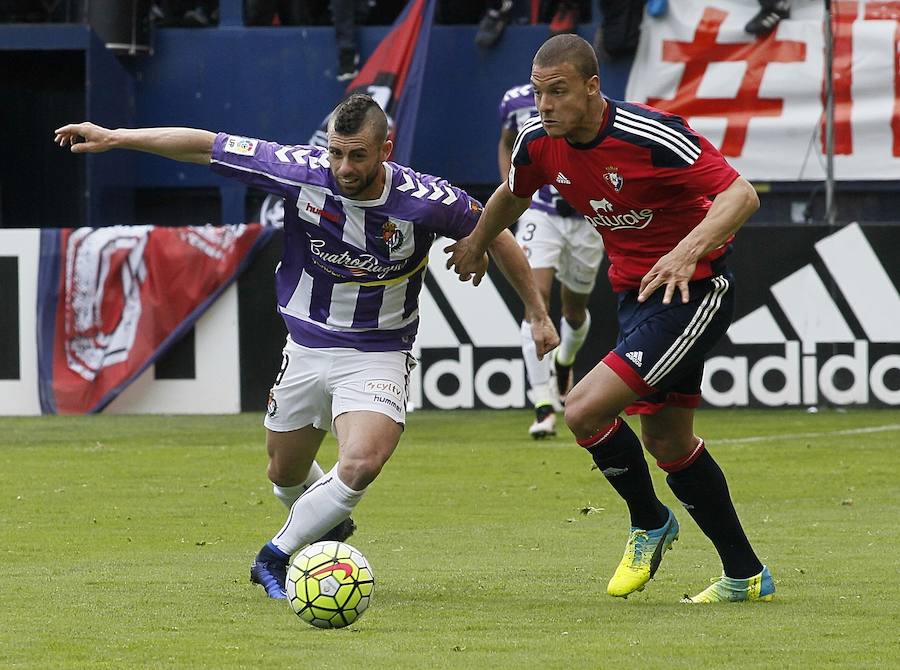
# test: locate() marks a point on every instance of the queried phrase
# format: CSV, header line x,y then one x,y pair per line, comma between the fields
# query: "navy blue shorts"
x,y
661,348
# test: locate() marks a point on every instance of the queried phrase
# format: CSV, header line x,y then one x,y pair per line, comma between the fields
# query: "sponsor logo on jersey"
x,y
604,218
321,212
242,146
392,235
613,178
357,265
601,205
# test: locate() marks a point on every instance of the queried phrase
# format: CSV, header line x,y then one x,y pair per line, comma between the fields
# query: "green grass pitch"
x,y
125,543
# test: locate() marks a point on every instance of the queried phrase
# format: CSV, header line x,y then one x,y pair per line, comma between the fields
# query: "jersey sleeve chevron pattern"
x,y
442,208
269,166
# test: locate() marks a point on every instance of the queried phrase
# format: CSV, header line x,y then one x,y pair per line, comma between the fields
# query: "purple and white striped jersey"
x,y
351,270
516,108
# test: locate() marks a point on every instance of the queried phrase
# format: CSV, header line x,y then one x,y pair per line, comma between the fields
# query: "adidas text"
x,y
794,379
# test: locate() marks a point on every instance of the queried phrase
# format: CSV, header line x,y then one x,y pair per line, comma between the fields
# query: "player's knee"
x,y
666,447
358,470
582,417
278,475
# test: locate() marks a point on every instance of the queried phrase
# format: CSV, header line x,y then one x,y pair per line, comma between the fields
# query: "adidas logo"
x,y
636,357
847,303
562,179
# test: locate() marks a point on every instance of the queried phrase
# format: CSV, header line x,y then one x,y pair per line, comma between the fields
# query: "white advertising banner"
x,y
761,100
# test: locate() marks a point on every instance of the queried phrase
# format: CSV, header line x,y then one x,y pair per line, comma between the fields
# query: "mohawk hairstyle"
x,y
356,112
570,49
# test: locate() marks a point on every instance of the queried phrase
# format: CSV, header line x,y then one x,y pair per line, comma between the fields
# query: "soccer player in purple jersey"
x,y
642,178
357,232
558,245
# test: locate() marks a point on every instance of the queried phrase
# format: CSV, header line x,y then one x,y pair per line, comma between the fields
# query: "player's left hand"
x,y
674,271
546,339
466,261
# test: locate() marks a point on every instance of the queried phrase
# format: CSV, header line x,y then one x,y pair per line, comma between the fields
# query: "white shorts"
x,y
315,386
565,243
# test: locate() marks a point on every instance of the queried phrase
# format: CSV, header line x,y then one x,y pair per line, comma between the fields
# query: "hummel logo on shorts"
x,y
562,179
635,357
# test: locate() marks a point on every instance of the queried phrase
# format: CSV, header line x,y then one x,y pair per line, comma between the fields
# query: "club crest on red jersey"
x,y
613,178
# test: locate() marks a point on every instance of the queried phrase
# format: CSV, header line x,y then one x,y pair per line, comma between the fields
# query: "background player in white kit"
x,y
557,243
355,252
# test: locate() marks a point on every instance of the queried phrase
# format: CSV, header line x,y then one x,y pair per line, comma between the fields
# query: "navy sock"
x,y
618,454
699,483
271,554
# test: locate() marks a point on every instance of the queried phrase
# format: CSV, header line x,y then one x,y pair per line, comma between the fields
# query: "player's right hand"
x,y
544,334
467,261
84,138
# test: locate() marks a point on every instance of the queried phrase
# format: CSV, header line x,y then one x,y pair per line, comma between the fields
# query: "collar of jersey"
x,y
381,199
604,129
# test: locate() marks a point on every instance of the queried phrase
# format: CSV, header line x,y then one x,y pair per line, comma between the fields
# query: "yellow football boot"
x,y
643,554
727,590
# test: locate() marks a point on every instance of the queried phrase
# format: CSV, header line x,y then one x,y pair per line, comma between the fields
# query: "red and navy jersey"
x,y
643,183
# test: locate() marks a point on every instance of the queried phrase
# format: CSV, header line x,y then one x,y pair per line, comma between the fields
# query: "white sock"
x,y
328,502
538,371
288,494
571,339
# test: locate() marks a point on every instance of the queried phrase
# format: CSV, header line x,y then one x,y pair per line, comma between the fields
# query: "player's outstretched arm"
x,y
512,263
467,255
188,145
731,208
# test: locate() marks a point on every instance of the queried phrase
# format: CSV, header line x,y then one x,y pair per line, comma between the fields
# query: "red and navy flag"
x,y
394,73
112,300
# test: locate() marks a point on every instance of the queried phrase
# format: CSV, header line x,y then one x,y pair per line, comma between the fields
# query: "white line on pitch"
x,y
797,436
887,428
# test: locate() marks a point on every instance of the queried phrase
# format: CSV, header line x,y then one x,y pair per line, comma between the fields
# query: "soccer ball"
x,y
329,584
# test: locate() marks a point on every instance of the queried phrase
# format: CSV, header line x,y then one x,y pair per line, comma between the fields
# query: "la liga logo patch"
x,y
242,146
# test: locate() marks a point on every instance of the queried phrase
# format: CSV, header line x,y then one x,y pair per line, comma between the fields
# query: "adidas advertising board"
x,y
817,322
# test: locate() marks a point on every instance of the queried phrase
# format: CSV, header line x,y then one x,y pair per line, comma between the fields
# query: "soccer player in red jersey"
x,y
642,178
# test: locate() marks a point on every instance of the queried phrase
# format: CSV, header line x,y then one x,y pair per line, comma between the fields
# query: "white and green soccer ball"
x,y
329,584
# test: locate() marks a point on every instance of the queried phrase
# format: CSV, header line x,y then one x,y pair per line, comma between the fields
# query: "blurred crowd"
x,y
616,36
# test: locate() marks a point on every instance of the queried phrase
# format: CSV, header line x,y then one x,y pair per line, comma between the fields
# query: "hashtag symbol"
x,y
705,49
